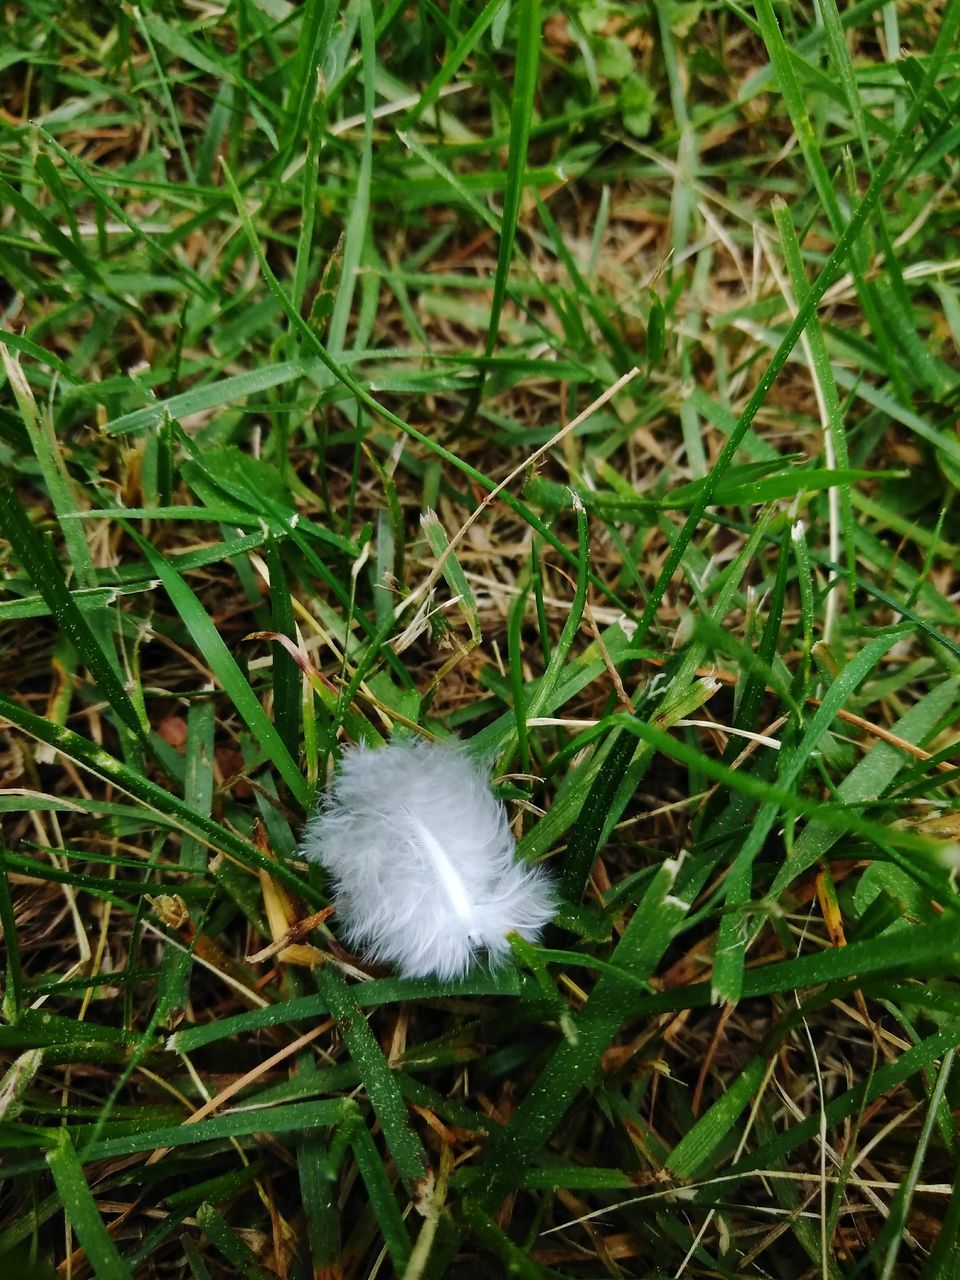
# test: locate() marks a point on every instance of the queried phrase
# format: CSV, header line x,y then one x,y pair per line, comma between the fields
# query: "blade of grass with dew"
x,y
828,395
558,658
51,235
382,1198
82,1212
515,621
243,1261
653,924
927,948
587,833
408,1153
317,1193
369,995
12,1001
514,1260
57,479
242,1123
17,342
211,395
183,48
316,26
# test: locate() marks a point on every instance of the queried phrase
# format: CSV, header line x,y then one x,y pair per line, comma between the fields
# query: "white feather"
x,y
422,860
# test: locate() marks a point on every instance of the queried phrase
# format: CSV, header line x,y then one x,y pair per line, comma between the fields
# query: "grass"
x,y
582,381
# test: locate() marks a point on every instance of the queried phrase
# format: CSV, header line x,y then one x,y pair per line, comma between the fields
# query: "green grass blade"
x,y
82,1212
224,666
35,557
529,35
287,680
356,228
382,1197
890,1239
243,1261
823,183
408,1153
828,396
453,572
13,977
572,1063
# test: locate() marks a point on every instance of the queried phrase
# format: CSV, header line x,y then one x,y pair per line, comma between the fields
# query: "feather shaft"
x,y
446,873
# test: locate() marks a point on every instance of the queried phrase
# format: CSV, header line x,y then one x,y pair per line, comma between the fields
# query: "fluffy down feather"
x,y
422,860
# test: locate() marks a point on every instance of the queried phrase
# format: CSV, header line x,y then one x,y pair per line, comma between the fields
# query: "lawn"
x,y
581,381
